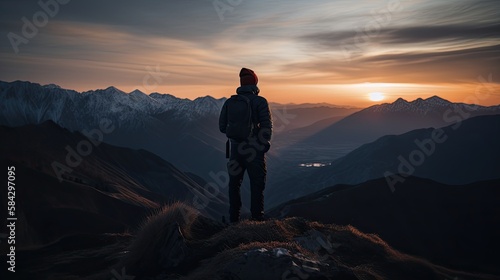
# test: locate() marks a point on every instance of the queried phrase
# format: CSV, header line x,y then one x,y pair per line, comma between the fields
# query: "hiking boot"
x,y
234,219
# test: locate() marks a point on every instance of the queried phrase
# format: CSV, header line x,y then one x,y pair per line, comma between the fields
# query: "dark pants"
x,y
251,158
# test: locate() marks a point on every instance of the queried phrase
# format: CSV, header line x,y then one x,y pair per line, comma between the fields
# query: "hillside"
x,y
176,243
452,225
68,185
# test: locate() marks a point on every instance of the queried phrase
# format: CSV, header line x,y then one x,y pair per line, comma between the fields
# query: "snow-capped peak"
x,y
437,101
137,92
113,89
418,105
52,86
401,101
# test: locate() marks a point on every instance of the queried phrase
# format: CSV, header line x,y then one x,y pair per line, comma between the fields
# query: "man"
x,y
247,153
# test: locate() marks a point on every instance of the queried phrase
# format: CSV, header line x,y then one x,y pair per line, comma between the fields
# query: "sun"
x,y
376,96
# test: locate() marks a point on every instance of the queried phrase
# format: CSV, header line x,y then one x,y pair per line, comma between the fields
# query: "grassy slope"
x,y
211,250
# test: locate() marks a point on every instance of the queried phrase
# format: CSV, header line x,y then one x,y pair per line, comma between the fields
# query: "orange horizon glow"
x,y
355,95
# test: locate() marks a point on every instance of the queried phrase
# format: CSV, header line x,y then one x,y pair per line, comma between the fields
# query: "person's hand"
x,y
267,146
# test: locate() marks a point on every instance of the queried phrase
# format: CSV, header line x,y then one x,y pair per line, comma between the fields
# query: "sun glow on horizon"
x,y
376,96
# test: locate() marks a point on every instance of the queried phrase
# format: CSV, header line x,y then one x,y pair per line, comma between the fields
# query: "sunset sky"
x,y
303,51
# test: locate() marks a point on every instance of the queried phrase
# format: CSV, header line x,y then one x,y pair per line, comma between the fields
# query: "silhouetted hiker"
x,y
246,120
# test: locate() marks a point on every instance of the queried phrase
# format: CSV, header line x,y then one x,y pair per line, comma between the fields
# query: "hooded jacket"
x,y
260,113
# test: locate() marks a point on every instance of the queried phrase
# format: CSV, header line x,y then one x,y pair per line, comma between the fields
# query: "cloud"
x,y
174,19
420,34
451,66
405,35
428,24
433,42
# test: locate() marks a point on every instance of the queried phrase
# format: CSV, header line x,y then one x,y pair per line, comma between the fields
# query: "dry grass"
x,y
144,251
213,247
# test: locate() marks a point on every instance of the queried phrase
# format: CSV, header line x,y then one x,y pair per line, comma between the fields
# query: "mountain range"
x,y
182,131
158,123
395,118
461,153
185,132
327,141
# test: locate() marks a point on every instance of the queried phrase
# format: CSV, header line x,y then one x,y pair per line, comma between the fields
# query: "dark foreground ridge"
x,y
178,243
455,226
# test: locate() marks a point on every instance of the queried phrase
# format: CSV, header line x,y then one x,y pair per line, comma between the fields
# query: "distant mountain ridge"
x,y
467,152
182,131
310,105
114,99
55,103
395,118
171,127
417,105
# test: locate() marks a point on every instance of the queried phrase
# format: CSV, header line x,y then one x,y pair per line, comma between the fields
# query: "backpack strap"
x,y
255,115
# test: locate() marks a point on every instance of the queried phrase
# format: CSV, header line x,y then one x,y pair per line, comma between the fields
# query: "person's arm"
x,y
265,122
223,119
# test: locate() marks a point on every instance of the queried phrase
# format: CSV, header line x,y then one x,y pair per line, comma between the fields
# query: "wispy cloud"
x,y
412,35
453,66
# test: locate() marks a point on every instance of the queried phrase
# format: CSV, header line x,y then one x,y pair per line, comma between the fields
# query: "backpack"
x,y
239,118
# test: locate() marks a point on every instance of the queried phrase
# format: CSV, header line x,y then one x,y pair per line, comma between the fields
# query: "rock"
x,y
315,241
278,263
174,249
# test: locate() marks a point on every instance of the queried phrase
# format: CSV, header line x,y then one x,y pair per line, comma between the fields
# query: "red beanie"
x,y
248,77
